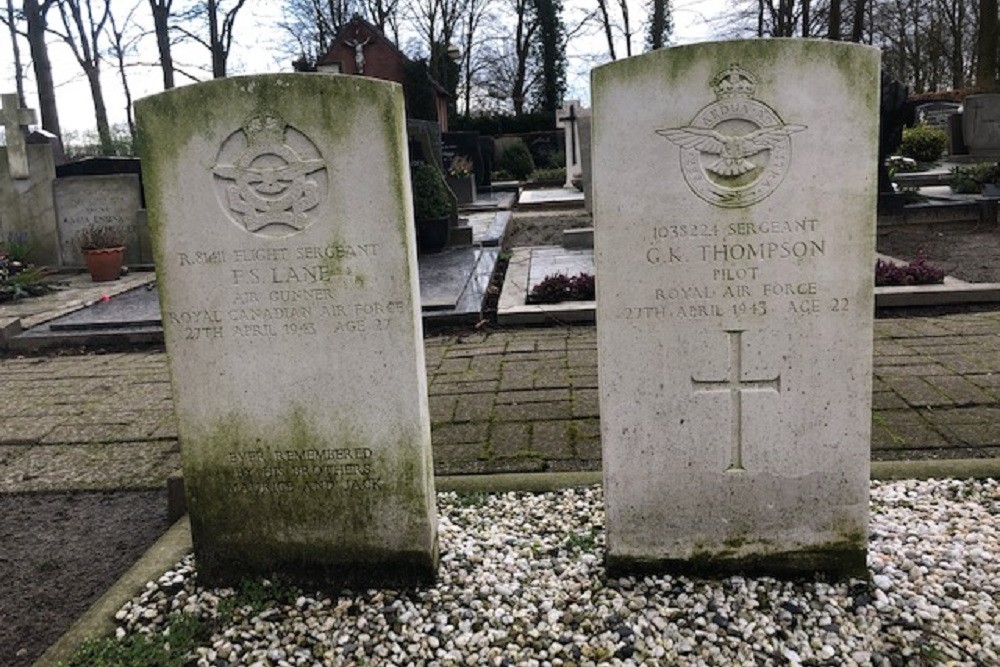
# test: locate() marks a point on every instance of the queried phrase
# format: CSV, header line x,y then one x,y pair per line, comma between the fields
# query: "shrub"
x,y
516,160
923,143
969,180
100,236
18,277
430,193
917,272
560,287
557,175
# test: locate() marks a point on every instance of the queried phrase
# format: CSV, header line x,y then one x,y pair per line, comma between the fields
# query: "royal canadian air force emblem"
x,y
735,151
270,177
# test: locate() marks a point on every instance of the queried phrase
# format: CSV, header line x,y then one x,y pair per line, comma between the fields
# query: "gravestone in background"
x,y
937,114
586,163
102,201
465,145
735,304
487,151
279,209
981,125
27,209
424,141
461,150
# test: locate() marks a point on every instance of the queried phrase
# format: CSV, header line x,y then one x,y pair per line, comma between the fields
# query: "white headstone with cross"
x,y
15,121
735,304
568,118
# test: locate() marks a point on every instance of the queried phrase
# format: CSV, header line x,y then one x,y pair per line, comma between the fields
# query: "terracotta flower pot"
x,y
104,264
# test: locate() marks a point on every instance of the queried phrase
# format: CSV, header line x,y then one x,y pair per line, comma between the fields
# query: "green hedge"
x,y
923,143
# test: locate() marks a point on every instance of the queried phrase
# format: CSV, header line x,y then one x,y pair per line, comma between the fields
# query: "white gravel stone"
x,y
522,583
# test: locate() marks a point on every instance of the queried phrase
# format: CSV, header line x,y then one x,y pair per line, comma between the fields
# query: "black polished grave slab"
x,y
137,308
453,287
490,200
479,263
132,317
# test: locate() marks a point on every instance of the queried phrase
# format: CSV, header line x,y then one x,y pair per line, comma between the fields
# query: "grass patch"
x,y
174,648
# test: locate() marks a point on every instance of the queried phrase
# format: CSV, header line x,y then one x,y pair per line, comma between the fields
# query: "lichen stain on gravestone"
x,y
736,150
269,177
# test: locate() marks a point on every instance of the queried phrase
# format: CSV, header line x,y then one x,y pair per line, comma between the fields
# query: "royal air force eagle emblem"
x,y
735,151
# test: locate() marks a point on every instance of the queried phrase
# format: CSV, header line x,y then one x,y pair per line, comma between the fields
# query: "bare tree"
x,y
384,15
436,22
986,46
524,33
660,24
616,23
122,45
216,33
35,17
15,47
83,26
161,11
477,11
833,30
312,25
954,16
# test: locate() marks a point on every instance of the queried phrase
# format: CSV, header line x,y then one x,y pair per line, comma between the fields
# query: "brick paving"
x,y
518,400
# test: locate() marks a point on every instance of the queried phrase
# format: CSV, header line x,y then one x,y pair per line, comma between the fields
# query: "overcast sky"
x,y
258,50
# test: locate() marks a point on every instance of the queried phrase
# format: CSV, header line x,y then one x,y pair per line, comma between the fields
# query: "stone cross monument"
x,y
15,120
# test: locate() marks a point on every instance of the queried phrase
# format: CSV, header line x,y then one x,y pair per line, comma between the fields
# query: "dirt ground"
x,y
543,228
59,552
968,251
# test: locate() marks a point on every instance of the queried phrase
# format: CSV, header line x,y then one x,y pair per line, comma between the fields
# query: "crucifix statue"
x,y
15,121
359,52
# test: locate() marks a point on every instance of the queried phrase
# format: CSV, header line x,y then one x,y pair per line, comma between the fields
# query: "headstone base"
x,y
839,561
376,570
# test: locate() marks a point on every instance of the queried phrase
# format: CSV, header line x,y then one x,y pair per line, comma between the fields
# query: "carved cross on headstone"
x,y
14,119
735,385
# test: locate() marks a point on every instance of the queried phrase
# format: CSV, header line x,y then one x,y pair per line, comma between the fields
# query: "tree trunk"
x,y
918,73
805,18
100,110
18,72
118,51
658,25
36,22
957,46
215,41
833,32
626,28
986,47
603,6
161,26
858,25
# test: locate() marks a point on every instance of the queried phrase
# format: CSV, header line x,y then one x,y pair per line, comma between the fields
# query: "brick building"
x,y
362,49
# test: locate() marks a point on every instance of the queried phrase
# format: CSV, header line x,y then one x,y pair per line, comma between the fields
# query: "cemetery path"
x,y
969,251
87,441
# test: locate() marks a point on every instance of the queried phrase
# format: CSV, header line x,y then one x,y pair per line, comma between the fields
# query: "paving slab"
x,y
501,400
550,197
